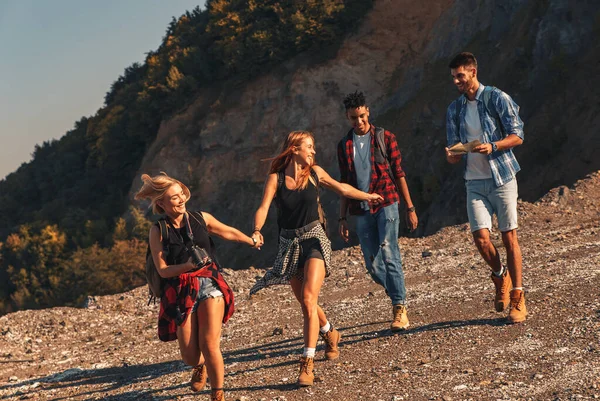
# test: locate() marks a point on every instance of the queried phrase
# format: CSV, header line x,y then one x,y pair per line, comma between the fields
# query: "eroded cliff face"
x,y
533,50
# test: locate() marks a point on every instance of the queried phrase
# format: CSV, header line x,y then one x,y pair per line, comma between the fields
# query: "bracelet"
x,y
410,209
256,230
342,219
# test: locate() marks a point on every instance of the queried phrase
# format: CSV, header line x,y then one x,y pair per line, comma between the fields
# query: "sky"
x,y
58,58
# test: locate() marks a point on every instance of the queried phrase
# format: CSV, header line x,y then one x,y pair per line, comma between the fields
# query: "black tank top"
x,y
297,208
179,236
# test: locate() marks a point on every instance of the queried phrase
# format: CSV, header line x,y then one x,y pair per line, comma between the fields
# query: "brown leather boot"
x,y
503,285
198,377
217,394
518,311
307,376
400,321
331,339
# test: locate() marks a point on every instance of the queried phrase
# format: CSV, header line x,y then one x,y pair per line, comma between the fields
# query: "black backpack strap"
x,y
315,177
380,139
164,234
280,183
322,217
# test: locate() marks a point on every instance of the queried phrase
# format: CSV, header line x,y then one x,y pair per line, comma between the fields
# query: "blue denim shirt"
x,y
503,163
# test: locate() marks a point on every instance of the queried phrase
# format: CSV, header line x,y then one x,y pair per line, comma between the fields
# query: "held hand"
x,y
451,157
484,149
258,240
412,221
343,229
375,199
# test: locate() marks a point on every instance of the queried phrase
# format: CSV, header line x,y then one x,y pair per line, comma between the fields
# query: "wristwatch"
x,y
494,147
410,209
254,240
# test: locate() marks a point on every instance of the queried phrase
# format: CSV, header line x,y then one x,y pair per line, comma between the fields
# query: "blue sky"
x,y
59,58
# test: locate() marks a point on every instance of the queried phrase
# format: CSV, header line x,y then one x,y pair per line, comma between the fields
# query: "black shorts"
x,y
309,249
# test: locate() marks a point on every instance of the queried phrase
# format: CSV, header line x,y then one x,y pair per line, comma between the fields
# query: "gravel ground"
x,y
457,347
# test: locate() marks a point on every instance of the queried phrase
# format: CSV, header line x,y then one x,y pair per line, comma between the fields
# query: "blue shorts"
x,y
485,199
207,289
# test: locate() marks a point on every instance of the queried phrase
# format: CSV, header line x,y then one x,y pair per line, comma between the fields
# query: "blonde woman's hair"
x,y
155,187
280,162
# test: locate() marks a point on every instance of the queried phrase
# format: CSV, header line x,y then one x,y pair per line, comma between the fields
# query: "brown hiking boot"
x,y
307,376
217,394
331,339
503,285
518,311
198,378
400,321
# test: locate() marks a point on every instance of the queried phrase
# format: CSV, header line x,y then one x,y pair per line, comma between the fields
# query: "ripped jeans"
x,y
378,237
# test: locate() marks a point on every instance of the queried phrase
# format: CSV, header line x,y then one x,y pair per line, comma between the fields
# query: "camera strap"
x,y
188,228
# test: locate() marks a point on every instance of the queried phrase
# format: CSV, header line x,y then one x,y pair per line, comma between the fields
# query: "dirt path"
x,y
457,348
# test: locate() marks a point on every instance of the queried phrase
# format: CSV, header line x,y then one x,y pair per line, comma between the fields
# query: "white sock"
x,y
325,328
501,272
518,288
309,352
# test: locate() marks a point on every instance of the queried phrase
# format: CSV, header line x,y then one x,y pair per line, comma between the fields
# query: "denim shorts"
x,y
485,199
207,288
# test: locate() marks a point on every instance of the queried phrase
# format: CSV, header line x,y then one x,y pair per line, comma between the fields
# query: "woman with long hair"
x,y
304,254
195,300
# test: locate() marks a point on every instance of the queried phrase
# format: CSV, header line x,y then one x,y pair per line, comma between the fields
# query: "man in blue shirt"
x,y
486,120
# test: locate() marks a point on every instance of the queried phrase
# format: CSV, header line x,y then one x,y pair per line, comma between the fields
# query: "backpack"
x,y
490,108
382,156
315,177
153,278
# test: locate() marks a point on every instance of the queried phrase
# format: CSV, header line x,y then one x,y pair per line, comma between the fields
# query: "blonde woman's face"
x,y
173,201
305,153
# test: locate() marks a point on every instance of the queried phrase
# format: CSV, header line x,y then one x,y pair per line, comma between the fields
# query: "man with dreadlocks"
x,y
369,159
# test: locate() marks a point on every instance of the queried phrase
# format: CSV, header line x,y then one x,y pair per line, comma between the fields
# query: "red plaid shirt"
x,y
381,182
179,296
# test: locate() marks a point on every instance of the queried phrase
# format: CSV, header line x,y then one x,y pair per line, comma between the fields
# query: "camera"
x,y
199,256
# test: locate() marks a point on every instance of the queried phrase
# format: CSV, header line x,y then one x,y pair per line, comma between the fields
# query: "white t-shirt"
x,y
478,165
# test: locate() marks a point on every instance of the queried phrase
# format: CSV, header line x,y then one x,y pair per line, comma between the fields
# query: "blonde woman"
x,y
303,258
196,299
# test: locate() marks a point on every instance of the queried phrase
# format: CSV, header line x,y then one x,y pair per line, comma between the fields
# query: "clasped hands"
x,y
258,240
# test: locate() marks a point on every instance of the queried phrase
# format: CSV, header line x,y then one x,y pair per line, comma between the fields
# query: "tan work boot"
x,y
400,321
518,311
217,394
503,285
307,376
198,377
331,339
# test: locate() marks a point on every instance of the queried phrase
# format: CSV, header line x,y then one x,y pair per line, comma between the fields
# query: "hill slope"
x,y
399,58
457,347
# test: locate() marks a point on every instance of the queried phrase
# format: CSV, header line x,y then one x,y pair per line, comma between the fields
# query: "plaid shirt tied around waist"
x,y
381,182
180,295
288,254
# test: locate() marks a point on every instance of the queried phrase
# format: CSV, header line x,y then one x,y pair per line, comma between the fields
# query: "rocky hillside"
x,y
533,50
457,348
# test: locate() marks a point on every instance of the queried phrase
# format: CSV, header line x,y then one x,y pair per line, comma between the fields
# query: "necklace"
x,y
363,149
